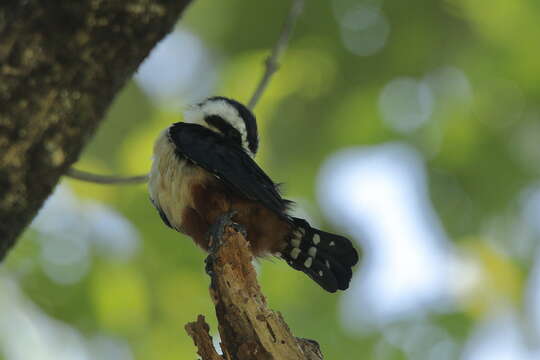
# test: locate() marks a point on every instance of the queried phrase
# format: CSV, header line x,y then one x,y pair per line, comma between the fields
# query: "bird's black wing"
x,y
228,162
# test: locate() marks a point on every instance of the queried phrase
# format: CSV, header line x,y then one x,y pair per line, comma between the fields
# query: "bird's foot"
x,y
215,236
239,228
209,265
217,230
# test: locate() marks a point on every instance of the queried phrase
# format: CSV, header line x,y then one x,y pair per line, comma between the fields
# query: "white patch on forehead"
x,y
195,114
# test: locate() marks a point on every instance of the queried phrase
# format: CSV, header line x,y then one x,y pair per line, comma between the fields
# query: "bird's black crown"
x,y
228,117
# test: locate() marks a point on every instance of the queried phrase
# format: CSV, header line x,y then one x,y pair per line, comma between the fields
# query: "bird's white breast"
x,y
170,181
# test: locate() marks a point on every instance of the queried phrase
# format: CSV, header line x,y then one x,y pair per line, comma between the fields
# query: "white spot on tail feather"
x,y
332,243
308,262
328,264
312,251
295,252
316,239
295,242
320,273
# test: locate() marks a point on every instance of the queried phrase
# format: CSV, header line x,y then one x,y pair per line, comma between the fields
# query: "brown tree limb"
x,y
249,330
61,64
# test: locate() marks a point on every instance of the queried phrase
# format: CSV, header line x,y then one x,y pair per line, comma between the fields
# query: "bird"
x,y
204,168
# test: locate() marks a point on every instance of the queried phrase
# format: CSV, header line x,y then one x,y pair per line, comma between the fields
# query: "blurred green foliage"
x,y
481,153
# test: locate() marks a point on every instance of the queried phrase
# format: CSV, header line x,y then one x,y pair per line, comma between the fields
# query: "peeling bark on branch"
x,y
61,64
199,332
249,329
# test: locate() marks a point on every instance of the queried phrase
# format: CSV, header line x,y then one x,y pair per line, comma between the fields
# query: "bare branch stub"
x,y
198,330
249,329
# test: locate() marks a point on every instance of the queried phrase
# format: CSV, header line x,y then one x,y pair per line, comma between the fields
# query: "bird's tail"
x,y
324,257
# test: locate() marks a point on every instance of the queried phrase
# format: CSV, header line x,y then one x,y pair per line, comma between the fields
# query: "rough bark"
x,y
61,64
249,330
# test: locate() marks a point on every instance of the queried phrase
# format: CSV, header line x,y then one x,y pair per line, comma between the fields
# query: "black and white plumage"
x,y
227,162
203,168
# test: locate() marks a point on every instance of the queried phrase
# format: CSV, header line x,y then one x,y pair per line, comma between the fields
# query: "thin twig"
x,y
272,62
106,180
271,66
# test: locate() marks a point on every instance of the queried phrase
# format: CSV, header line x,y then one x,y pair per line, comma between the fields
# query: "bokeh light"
x,y
178,71
379,194
406,104
364,28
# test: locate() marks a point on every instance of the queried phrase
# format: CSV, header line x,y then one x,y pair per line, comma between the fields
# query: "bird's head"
x,y
229,118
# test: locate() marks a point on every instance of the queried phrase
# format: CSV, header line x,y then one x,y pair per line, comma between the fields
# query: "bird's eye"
x,y
234,134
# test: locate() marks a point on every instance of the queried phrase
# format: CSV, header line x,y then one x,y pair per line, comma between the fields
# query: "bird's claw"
x,y
239,228
215,236
209,265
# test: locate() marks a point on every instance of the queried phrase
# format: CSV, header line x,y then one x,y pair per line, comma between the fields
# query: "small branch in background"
x,y
199,332
272,62
249,330
271,66
105,180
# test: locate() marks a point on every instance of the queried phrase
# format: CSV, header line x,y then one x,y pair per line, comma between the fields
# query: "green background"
x,y
476,68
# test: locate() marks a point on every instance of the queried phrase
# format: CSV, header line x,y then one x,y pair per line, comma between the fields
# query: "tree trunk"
x,y
61,64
